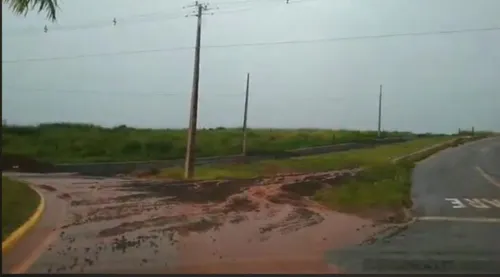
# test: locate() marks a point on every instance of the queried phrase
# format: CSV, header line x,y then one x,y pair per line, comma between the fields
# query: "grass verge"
x,y
19,202
383,187
334,161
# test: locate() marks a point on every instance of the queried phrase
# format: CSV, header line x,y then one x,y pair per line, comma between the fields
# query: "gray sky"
x,y
431,83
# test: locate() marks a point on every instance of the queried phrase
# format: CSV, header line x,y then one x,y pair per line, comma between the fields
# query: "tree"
x,y
22,7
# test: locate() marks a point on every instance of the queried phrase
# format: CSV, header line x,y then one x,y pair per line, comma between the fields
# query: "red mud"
x,y
47,187
237,226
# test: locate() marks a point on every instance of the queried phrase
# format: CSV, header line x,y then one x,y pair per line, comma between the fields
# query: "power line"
x,y
306,41
114,93
322,97
147,17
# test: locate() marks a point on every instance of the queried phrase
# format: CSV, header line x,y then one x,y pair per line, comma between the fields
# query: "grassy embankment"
x,y
19,202
317,163
67,143
383,185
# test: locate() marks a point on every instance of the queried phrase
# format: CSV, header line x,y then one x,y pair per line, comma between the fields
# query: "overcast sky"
x,y
438,82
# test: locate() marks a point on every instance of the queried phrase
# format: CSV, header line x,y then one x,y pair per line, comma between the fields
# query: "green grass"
x,y
341,160
61,142
19,202
384,186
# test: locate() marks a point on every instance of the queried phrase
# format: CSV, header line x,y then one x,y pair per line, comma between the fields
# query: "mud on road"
x,y
239,226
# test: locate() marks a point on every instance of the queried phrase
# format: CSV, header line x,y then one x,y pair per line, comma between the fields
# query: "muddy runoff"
x,y
225,226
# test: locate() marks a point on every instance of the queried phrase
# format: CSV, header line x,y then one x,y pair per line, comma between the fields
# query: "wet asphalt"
x,y
456,198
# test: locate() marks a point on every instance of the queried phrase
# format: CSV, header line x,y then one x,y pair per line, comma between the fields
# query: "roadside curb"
x,y
388,231
391,230
20,232
432,147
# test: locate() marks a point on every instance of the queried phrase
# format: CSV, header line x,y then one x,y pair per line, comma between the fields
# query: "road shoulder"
x,y
30,239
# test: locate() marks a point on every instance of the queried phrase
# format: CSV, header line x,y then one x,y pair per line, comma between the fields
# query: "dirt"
x,y
211,226
195,192
136,225
47,188
240,204
299,218
64,196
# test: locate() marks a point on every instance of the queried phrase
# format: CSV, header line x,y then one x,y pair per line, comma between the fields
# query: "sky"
x,y
312,63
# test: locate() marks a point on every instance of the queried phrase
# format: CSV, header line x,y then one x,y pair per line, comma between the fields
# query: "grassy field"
x,y
19,202
342,160
62,142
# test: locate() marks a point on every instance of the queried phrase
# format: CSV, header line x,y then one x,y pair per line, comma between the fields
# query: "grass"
x,y
342,160
385,186
70,143
19,202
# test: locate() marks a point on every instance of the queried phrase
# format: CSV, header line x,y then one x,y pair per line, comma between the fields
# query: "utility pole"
x,y
379,111
193,116
245,116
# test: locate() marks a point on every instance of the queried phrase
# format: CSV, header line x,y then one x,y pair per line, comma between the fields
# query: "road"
x,y
456,198
111,225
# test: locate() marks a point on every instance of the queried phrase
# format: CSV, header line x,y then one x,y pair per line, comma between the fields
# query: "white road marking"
x,y
459,219
476,203
488,177
457,204
493,202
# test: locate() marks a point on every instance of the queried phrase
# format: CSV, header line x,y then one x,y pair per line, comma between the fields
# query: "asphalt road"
x,y
456,195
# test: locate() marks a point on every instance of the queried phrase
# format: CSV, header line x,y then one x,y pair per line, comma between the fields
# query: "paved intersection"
x,y
456,195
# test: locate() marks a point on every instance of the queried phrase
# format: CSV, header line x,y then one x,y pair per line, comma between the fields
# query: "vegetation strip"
x,y
81,143
384,187
381,190
318,163
22,208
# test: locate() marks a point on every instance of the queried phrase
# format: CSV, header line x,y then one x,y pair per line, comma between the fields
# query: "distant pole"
x,y
379,112
193,117
245,116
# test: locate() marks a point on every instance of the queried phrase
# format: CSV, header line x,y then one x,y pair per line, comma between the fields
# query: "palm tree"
x,y
22,7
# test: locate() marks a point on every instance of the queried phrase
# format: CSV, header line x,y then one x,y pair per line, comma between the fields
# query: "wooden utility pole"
x,y
379,112
193,117
245,116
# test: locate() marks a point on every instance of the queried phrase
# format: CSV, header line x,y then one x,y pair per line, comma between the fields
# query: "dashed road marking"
x,y
488,177
459,219
483,203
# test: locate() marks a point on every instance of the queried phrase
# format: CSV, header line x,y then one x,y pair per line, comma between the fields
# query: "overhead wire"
x,y
107,92
125,93
145,17
253,44
99,24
